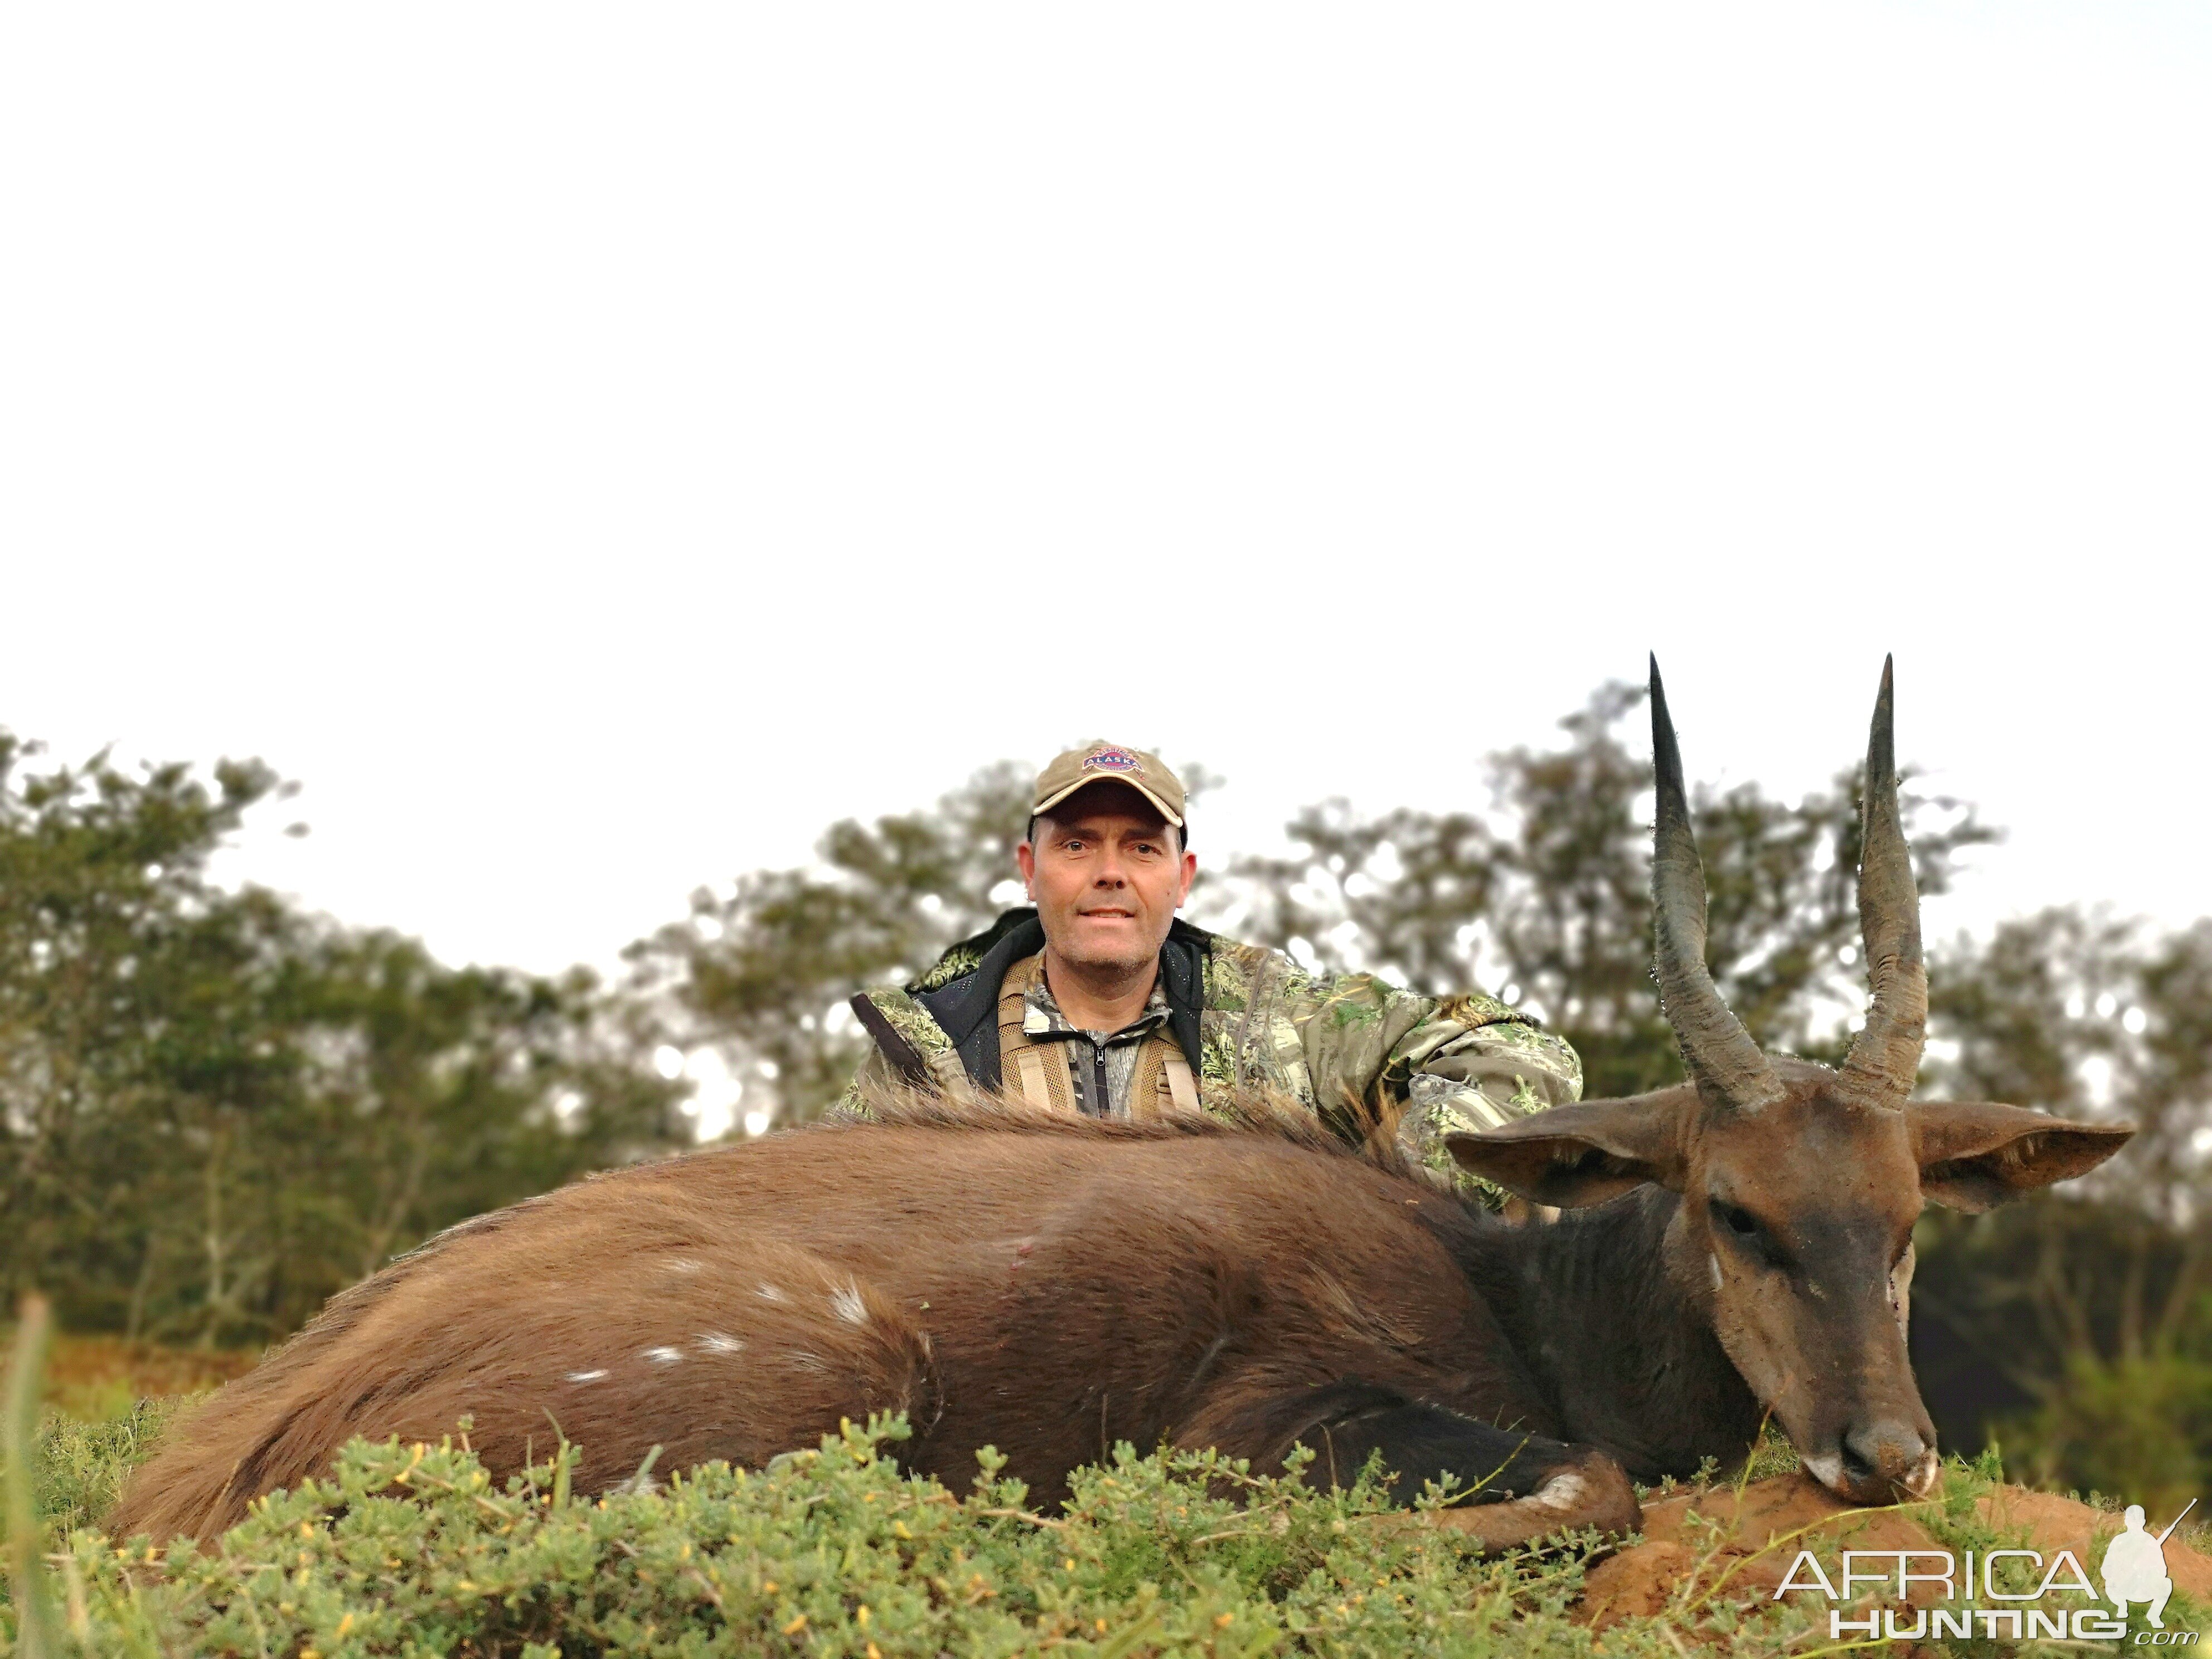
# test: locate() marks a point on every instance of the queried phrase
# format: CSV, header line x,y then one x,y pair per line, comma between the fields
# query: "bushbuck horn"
x,y
1729,1069
1885,1057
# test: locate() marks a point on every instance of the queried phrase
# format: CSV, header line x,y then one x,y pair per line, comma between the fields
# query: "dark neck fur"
x,y
1621,1350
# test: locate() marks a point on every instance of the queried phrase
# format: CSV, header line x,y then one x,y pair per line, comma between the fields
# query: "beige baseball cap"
x,y
1111,762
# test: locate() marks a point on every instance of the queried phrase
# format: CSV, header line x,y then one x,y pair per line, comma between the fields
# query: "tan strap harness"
x,y
1040,1070
1182,1088
1036,1090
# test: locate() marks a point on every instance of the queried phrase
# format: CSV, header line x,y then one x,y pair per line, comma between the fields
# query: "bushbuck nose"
x,y
1884,1453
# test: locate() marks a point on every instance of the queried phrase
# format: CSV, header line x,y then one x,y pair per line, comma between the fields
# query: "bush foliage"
x,y
415,1550
409,1550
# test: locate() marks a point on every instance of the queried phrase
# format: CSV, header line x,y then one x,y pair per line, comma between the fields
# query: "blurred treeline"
x,y
219,1109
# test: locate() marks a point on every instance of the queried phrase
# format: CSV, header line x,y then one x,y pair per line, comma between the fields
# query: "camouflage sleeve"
x,y
1453,1063
875,1076
906,1024
1350,1031
1472,1065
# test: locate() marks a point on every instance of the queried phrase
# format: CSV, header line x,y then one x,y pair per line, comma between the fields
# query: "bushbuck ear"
x,y
1574,1156
1975,1154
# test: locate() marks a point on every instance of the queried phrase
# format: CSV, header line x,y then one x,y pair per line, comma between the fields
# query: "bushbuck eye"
x,y
1737,1219
1748,1234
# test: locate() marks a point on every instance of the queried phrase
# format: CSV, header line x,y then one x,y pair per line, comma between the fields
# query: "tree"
x,y
763,973
2043,1320
103,893
1547,896
215,1110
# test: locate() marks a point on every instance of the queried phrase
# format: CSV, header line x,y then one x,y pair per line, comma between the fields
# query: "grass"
x,y
833,1551
830,1551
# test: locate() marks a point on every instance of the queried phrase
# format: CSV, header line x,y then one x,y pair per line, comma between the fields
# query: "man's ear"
x,y
1975,1154
1574,1156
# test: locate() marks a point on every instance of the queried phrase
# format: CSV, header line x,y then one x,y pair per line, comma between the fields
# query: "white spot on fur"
x,y
847,1306
1561,1492
1714,1262
585,1376
1828,1469
684,1264
716,1342
662,1356
771,1293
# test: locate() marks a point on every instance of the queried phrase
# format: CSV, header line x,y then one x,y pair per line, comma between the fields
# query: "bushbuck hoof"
x,y
1592,1491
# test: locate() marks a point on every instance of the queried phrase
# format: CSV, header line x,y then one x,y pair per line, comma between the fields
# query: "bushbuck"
x,y
1737,1245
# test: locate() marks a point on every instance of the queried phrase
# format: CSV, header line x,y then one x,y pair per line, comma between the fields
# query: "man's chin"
x,y
1108,947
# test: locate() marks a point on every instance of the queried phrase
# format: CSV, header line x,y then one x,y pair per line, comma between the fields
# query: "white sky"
x,y
593,450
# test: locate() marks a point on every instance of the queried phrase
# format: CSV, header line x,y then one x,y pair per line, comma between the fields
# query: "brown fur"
x,y
1047,1284
1052,1284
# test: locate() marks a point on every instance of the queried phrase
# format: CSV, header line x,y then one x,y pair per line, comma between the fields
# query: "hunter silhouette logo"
x,y
2135,1565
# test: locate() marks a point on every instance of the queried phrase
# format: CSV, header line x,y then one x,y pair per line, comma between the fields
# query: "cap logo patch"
x,y
1112,760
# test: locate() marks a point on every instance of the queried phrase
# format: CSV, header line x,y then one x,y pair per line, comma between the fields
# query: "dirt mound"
x,y
1721,1544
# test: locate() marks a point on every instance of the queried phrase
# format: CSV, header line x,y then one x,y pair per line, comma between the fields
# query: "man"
x,y
1100,1000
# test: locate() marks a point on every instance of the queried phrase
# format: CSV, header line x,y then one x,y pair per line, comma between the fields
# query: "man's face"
x,y
1106,875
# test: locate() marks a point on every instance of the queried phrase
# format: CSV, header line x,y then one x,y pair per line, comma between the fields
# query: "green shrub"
x,y
411,1550
415,1550
80,1466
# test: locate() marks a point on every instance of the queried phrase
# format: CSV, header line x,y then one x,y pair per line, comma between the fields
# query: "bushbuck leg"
x,y
1520,1484
1524,1486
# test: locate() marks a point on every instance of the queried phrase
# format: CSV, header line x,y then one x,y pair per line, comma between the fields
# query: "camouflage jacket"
x,y
1248,1018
